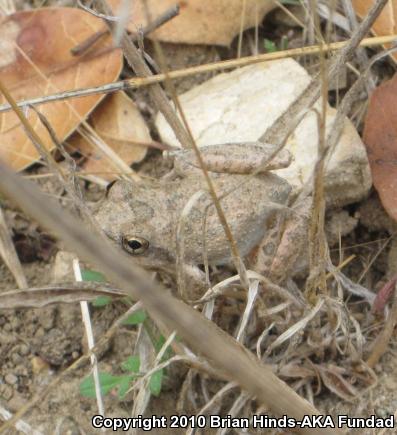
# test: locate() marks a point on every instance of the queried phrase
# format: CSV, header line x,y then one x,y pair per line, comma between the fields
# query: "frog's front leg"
x,y
232,158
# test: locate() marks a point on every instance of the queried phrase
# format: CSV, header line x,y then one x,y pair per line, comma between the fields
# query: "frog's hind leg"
x,y
285,245
232,158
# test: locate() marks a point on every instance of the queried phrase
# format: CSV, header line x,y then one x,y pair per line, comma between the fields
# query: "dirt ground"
x,y
37,345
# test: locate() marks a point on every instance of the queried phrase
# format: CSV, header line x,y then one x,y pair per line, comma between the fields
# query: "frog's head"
x,y
133,215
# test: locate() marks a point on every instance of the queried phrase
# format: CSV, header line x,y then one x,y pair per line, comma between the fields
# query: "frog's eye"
x,y
135,245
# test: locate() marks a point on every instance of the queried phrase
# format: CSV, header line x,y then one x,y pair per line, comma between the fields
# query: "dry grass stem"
x,y
138,82
68,293
212,405
251,297
85,315
20,425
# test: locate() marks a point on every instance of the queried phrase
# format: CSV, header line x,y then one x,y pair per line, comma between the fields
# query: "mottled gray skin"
x,y
152,211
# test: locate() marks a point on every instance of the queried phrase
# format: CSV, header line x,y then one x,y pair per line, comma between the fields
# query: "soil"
x,y
38,345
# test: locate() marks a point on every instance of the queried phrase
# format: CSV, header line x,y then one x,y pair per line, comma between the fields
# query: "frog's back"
x,y
249,207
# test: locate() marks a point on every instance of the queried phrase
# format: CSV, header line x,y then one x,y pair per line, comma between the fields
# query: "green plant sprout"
x,y
130,366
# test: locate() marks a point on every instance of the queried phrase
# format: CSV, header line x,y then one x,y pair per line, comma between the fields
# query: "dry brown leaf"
x,y
199,21
336,379
35,60
386,23
120,125
380,138
292,370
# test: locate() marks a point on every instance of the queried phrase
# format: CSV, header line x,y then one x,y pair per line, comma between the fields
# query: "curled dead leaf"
x,y
120,125
338,380
380,138
199,21
35,60
292,370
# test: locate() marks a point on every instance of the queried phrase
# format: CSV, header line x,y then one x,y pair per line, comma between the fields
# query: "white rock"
x,y
239,106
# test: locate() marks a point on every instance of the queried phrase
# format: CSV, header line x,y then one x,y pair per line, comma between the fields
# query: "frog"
x,y
155,221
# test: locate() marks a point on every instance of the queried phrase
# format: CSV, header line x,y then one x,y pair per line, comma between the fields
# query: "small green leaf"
x,y
92,275
124,386
291,2
106,380
270,46
136,318
131,364
159,343
284,43
158,346
155,382
101,301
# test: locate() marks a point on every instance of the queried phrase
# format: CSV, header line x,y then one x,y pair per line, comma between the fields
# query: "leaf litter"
x,y
36,61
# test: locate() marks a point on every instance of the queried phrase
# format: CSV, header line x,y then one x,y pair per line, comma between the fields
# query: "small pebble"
x,y
378,368
40,332
11,379
16,358
38,364
15,323
21,370
6,392
382,412
24,350
16,403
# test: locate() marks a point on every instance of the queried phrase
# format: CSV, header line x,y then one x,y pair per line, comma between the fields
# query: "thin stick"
x,y
85,314
361,54
138,82
154,24
316,282
81,48
168,15
340,266
66,293
70,184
